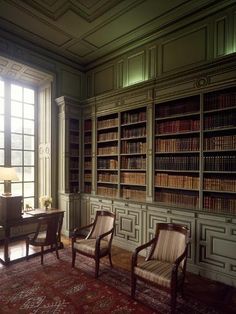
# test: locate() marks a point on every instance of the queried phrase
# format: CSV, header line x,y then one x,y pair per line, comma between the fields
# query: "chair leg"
x,y
27,248
173,300
56,248
133,285
73,258
110,259
42,251
96,266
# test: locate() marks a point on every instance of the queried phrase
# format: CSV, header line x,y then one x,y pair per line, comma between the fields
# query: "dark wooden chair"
x,y
165,264
98,242
47,233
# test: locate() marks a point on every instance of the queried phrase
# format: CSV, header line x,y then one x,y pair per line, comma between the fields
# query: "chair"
x,y
98,242
165,264
47,233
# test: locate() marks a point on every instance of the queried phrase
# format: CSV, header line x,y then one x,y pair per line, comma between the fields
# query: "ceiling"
x,y
88,31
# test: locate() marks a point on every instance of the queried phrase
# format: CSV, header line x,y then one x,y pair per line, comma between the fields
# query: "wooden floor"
x,y
221,296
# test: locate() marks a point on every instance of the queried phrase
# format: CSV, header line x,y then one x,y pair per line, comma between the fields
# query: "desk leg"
x,y
6,256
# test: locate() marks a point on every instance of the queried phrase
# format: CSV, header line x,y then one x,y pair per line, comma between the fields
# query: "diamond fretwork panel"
x,y
216,246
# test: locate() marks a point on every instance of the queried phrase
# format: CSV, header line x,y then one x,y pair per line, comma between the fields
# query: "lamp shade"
x,y
8,174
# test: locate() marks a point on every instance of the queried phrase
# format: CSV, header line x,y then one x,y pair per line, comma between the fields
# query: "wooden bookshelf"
x,y
219,151
74,154
107,155
87,155
177,152
133,154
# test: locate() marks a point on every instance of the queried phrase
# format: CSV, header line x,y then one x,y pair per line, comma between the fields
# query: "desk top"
x,y
43,212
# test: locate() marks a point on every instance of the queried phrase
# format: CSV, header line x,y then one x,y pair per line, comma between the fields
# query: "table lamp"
x,y
8,174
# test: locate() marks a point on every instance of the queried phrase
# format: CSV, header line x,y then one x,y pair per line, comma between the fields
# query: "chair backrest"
x,y
51,226
171,242
104,222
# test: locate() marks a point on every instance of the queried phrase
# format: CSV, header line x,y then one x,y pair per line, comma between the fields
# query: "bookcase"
x,y
219,152
87,157
133,154
74,154
177,152
107,155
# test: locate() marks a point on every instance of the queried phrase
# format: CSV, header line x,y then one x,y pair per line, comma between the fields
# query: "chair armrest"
x,y
179,260
99,238
77,231
138,249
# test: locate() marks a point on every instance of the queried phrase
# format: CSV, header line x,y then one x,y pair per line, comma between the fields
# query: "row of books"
x,y
177,163
177,144
178,198
133,132
220,120
133,178
220,205
87,164
87,139
87,187
175,126
220,184
74,125
107,150
132,117
220,142
131,193
107,123
74,164
74,187
107,163
107,177
107,191
170,109
87,151
74,153
88,177
220,163
107,136
74,138
177,181
88,125
219,101
74,176
133,162
133,147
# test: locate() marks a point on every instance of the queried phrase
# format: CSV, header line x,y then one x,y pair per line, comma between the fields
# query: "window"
x,y
17,137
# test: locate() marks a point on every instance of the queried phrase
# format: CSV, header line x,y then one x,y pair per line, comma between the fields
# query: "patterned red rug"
x,y
28,287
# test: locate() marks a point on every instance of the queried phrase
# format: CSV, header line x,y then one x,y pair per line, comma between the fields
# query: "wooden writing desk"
x,y
30,217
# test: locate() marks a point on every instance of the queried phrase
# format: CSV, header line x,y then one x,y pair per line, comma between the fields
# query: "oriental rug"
x,y
28,287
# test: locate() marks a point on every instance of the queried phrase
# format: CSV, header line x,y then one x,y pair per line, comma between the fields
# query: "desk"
x,y
27,218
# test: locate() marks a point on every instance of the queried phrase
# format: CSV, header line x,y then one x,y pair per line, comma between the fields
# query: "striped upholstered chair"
x,y
98,242
165,264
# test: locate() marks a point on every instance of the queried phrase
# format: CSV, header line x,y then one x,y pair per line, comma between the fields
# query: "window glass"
x,y
28,111
16,109
16,125
1,88
28,127
29,173
1,123
16,141
28,189
29,142
1,106
29,95
1,157
16,92
1,140
16,189
28,158
16,158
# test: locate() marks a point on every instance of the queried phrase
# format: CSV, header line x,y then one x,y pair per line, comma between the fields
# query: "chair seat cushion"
x,y
40,238
156,271
88,246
